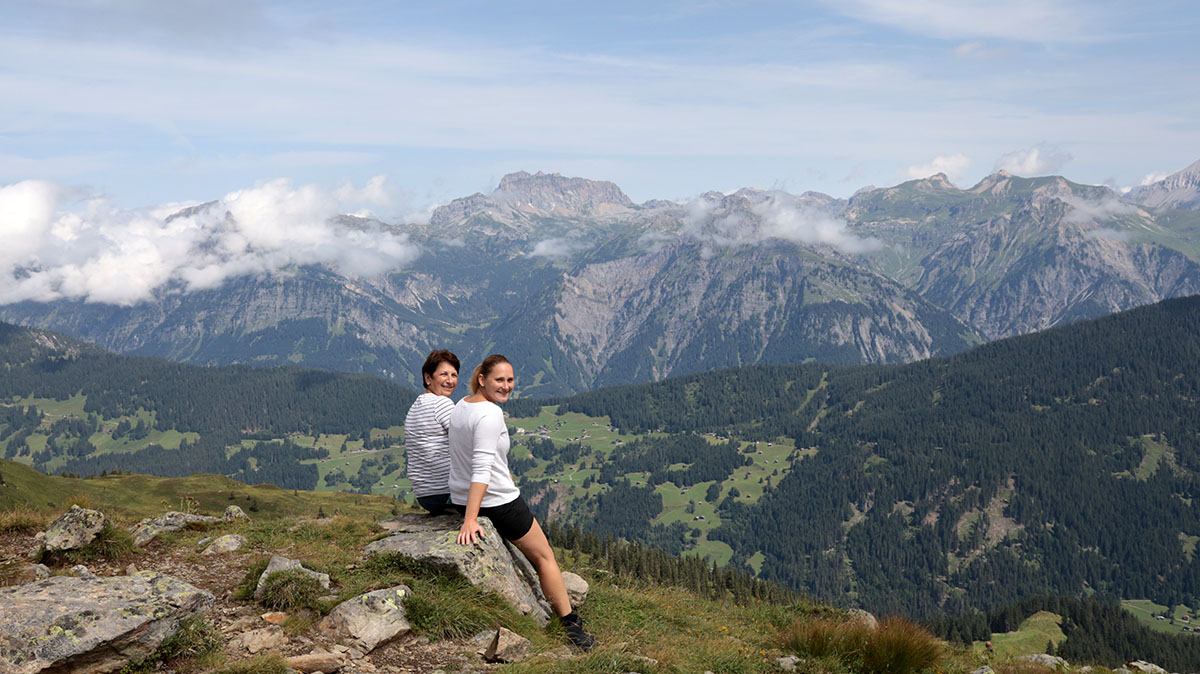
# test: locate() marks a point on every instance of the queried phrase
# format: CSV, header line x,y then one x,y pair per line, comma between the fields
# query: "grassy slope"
x,y
641,627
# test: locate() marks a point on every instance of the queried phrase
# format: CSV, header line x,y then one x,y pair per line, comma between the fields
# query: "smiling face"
x,y
443,381
497,384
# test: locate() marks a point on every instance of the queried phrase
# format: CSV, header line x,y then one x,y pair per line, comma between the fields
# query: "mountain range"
x,y
582,287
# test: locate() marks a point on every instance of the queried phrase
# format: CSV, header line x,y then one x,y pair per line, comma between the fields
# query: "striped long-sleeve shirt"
x,y
426,444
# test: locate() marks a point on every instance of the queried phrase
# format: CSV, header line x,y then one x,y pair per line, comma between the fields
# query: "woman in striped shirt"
x,y
425,432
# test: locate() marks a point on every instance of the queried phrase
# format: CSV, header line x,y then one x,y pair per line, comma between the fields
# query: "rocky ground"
x,y
249,629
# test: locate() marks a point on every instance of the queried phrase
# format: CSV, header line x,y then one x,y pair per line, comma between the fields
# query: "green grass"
x,y
1147,611
1032,636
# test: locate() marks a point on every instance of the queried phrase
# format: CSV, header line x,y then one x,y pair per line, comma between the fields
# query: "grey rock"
x,y
91,625
81,571
577,588
431,541
233,513
1146,667
227,543
983,670
865,617
145,530
1044,659
279,563
788,663
267,638
318,661
501,645
369,620
74,529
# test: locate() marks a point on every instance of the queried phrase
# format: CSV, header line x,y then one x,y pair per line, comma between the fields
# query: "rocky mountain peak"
x,y
1180,190
522,194
997,183
553,192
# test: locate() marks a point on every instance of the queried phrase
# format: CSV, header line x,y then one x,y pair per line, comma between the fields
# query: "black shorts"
x,y
512,520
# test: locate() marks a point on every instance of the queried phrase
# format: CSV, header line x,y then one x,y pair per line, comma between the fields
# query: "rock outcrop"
x,y
91,625
369,620
145,530
489,564
73,530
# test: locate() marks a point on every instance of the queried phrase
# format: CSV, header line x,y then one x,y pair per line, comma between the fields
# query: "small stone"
x,y
203,541
788,663
226,544
81,571
234,513
312,663
502,645
256,641
864,617
131,569
577,588
279,563
275,617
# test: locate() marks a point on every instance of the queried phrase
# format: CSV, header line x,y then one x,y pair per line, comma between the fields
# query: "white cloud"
x,y
1048,21
954,166
1151,178
1035,161
1083,211
762,216
554,247
784,220
66,247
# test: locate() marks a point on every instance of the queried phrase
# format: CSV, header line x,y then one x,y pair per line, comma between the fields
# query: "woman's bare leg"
x,y
537,550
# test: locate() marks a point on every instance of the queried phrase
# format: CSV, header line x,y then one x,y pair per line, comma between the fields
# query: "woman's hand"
x,y
469,531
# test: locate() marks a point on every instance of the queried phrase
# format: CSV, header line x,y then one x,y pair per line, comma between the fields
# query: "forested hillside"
x,y
233,420
1060,463
1063,462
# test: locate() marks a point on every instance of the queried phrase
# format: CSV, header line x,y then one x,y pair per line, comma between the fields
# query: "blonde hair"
x,y
485,368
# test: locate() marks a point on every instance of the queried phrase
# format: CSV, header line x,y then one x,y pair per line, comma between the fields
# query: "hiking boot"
x,y
573,626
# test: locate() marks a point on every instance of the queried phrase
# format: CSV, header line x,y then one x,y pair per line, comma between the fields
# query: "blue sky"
x,y
148,102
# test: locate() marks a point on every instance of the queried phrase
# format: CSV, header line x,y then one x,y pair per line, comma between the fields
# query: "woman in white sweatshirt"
x,y
481,485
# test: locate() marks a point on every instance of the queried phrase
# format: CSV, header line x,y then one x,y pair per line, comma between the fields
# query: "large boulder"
x,y
145,530
91,625
74,529
369,620
224,544
279,563
488,564
1044,659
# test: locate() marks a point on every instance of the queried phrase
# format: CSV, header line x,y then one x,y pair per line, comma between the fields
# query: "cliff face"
x,y
1013,255
588,288
1180,190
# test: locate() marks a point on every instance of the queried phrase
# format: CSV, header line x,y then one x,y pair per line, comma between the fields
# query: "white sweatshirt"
x,y
479,453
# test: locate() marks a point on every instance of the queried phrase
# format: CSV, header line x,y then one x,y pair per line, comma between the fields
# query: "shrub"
x,y
827,638
286,590
901,647
22,520
896,647
262,664
455,610
245,589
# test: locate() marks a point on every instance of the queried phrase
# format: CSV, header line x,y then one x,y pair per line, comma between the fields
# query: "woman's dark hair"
x,y
485,368
433,360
